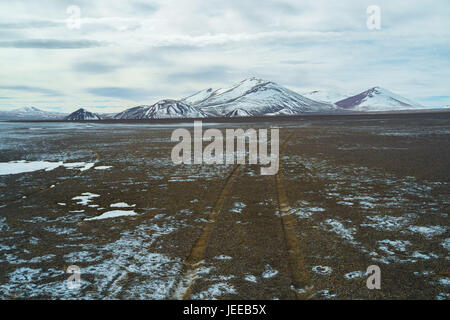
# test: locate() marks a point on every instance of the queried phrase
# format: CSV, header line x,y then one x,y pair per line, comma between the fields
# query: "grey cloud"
x,y
43,91
121,93
94,67
29,24
52,44
206,74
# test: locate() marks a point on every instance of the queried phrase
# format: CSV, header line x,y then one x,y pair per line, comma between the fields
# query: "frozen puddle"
x,y
23,166
269,272
113,214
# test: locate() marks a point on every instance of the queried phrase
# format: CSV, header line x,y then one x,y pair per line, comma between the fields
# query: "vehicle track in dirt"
x,y
301,281
196,255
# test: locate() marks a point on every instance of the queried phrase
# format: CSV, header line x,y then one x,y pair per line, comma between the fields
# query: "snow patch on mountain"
x,y
326,96
164,109
257,97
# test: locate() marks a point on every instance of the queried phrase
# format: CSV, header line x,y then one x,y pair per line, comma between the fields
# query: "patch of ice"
x,y
418,255
113,214
22,166
306,212
251,278
355,274
326,294
82,256
443,296
85,198
429,231
82,166
42,258
122,205
3,225
386,223
399,245
60,231
223,257
237,207
215,291
446,244
339,229
102,167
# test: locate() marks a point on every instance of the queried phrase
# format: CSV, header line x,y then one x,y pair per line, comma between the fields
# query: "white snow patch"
x,y
446,244
429,231
251,278
355,274
102,167
113,214
223,257
419,255
326,294
386,223
82,166
339,229
22,166
215,291
237,207
85,198
122,205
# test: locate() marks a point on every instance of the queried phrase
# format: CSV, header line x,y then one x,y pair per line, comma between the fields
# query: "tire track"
x,y
197,253
301,281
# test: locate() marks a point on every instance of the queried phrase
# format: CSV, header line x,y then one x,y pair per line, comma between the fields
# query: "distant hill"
x,y
378,99
31,113
82,115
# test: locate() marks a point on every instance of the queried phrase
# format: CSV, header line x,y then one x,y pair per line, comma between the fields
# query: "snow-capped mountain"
x,y
30,113
164,109
255,97
326,96
81,115
377,99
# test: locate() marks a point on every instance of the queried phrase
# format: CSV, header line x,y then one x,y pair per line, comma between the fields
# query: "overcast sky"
x,y
133,52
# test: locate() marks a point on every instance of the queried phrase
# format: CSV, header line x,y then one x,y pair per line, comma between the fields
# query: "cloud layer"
x,y
126,53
